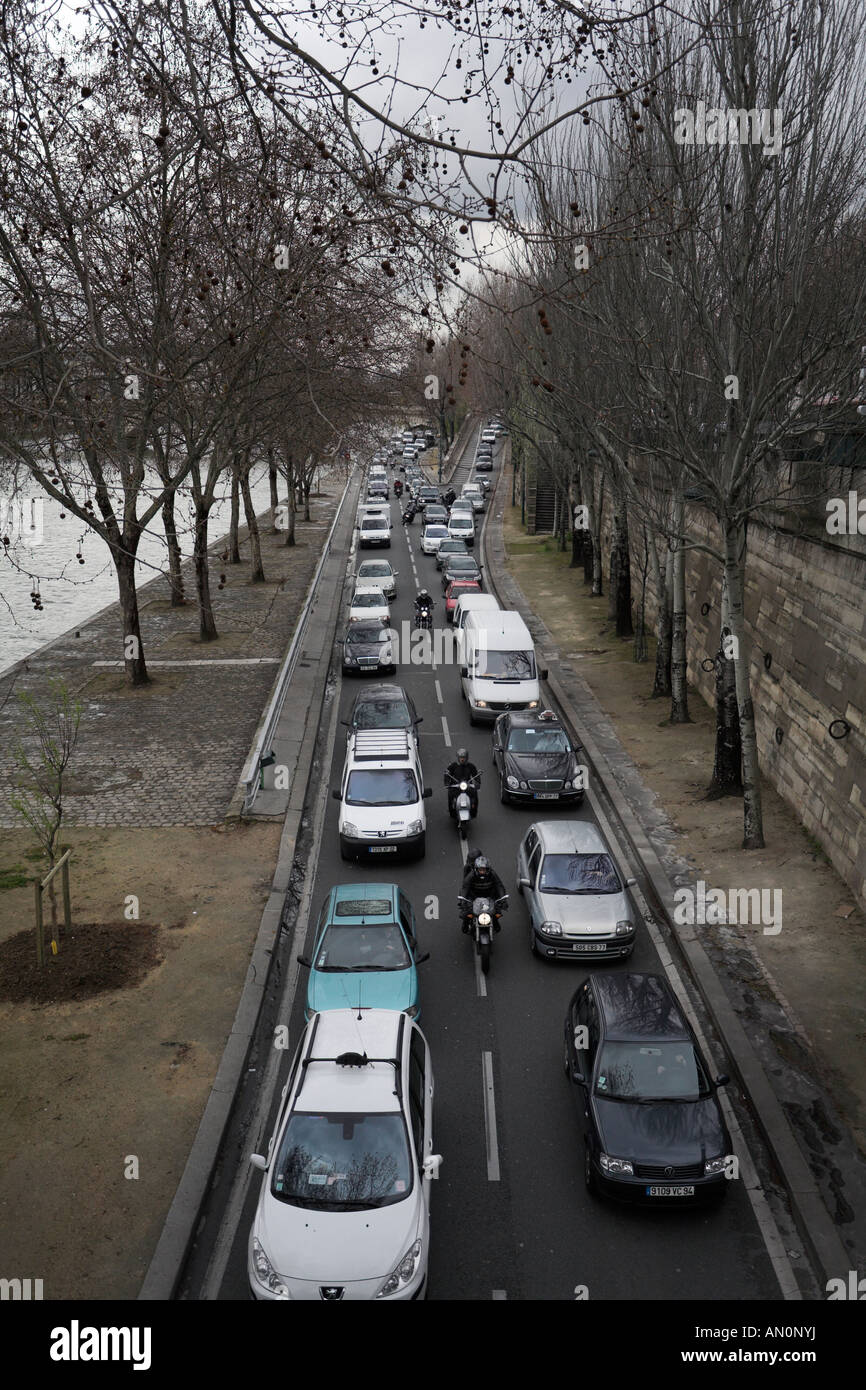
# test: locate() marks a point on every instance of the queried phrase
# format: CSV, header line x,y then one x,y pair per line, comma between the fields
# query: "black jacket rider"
x,y
492,887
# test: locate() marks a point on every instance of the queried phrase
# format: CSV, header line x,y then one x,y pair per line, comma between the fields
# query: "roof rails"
x,y
380,744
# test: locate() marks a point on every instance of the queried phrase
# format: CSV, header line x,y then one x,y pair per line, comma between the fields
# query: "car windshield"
x,y
363,948
506,666
538,741
373,599
389,786
382,714
650,1071
433,531
366,632
343,1161
578,873
373,523
375,569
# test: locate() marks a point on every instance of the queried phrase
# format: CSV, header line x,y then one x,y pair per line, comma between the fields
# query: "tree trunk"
x,y
727,778
306,500
275,500
735,565
664,589
679,685
133,648
257,573
175,577
207,628
577,536
623,573
640,643
234,547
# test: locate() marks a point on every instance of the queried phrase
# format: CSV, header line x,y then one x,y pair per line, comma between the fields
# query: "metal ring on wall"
x,y
779,734
708,664
768,660
705,608
842,725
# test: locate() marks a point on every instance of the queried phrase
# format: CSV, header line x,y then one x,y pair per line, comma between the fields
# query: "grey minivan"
x,y
577,900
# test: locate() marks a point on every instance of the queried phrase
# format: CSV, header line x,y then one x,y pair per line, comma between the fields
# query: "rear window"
x,y
383,714
363,907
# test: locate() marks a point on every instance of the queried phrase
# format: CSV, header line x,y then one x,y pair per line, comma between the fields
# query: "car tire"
x,y
533,944
343,855
472,720
588,1175
503,794
422,847
566,1066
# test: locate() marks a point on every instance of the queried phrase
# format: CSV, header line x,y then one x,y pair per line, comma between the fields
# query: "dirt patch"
x,y
114,684
90,959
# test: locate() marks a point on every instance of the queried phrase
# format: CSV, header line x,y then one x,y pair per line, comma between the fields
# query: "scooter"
x,y
464,806
483,914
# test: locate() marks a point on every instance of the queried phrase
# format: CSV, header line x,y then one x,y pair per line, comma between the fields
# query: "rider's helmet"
x,y
423,597
482,869
462,755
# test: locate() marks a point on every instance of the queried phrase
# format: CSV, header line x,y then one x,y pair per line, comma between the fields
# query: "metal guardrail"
x,y
262,751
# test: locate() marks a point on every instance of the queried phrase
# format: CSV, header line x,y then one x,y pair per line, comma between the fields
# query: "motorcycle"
x,y
483,913
398,487
424,619
463,805
409,513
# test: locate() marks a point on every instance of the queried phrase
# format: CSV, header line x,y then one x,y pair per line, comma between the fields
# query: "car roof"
x,y
638,1008
326,1086
529,719
362,892
569,837
379,693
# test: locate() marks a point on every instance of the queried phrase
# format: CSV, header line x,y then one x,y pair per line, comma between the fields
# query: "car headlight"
x,y
350,830
414,827
403,1274
351,660
624,928
616,1167
533,704
512,782
714,1165
480,704
265,1272
551,928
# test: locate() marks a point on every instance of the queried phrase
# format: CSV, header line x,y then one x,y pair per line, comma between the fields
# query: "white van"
x,y
382,796
473,603
461,527
500,671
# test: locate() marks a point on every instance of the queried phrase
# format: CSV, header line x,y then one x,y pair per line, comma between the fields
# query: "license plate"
x,y
670,1192
546,796
383,849
588,946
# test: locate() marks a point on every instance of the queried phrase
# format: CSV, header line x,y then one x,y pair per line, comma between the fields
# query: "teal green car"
x,y
366,952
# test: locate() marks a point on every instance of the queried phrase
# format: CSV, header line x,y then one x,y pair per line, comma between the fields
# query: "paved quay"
x,y
171,753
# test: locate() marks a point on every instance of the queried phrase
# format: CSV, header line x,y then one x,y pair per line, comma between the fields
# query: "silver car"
x,y
577,900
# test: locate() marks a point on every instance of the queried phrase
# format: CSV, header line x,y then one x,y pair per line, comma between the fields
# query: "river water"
x,y
45,546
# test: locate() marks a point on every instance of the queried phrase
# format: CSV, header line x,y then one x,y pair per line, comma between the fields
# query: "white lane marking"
x,y
438,692
257,1138
445,732
773,1242
490,1117
480,980
499,1294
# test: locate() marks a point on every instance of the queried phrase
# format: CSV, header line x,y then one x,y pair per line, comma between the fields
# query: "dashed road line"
x,y
446,735
490,1117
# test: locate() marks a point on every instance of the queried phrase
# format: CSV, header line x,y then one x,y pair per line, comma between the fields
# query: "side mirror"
x,y
464,671
336,795
428,792
419,960
544,674
304,960
524,882
578,1077
630,882
723,1079
431,1166
345,723
420,719
259,1161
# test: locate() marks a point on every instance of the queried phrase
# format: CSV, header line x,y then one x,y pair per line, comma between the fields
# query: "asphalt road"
x,y
532,1232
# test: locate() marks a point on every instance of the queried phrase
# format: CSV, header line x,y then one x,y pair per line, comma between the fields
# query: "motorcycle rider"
x,y
461,770
480,880
422,601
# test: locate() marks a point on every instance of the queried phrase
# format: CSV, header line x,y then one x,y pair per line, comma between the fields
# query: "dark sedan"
x,y
536,760
448,548
383,707
652,1125
367,648
460,567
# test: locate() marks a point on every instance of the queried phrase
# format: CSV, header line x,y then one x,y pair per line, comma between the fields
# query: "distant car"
x,y
474,494
484,465
536,759
374,530
461,527
460,567
365,951
367,647
448,548
379,573
383,707
369,603
645,1098
343,1211
433,537
455,591
576,899
434,511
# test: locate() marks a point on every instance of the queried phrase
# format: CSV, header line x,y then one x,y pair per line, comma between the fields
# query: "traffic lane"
x,y
558,1228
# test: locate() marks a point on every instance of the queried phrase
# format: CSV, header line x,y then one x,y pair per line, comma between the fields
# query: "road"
x,y
510,1216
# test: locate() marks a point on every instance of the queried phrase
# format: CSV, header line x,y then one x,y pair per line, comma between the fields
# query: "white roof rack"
x,y
381,744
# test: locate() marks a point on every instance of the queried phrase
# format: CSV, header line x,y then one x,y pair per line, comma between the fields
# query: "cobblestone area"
x,y
171,754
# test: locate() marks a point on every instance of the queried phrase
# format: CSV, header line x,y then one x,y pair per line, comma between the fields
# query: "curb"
x,y
164,1270
814,1223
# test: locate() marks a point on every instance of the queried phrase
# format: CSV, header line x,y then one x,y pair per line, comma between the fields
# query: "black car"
x,y
484,464
383,707
652,1125
367,647
449,548
460,567
536,759
434,511
429,494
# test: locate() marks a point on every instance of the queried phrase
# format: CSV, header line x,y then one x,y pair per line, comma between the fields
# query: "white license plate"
x,y
670,1192
546,796
383,849
588,946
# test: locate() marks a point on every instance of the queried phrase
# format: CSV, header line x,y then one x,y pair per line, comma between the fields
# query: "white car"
x,y
380,574
344,1208
472,492
434,534
382,797
368,602
461,527
375,529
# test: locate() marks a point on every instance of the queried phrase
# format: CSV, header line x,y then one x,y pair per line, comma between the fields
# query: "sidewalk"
x,y
811,1048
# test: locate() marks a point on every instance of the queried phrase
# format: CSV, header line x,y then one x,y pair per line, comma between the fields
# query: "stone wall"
x,y
806,616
